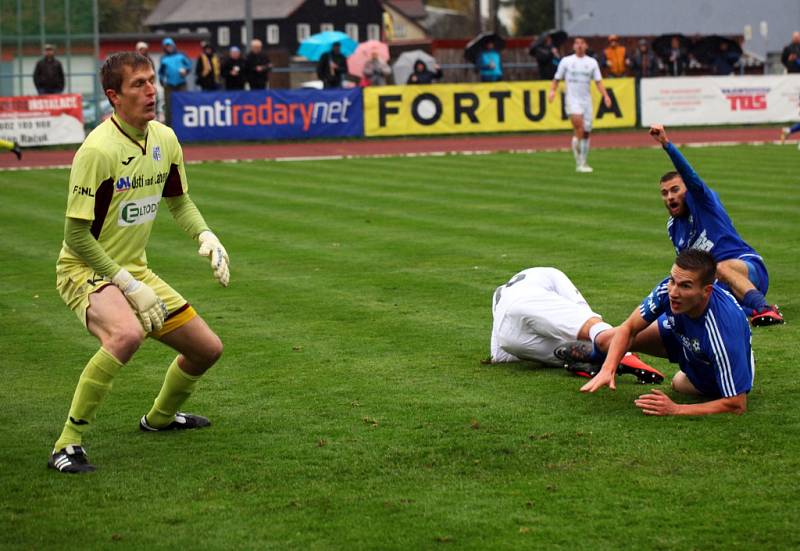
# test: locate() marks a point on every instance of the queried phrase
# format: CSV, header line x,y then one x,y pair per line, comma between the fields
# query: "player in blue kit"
x,y
698,220
787,131
696,323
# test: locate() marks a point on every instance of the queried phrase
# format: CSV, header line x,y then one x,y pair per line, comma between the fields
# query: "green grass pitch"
x,y
350,408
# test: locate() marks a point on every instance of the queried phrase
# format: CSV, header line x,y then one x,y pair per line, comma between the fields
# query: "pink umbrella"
x,y
355,63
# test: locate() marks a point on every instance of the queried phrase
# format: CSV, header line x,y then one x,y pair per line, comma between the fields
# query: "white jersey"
x,y
534,313
578,73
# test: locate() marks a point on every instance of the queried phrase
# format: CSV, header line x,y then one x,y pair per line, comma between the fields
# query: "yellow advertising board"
x,y
486,107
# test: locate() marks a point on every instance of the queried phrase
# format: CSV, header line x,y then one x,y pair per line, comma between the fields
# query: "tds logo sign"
x,y
747,99
133,213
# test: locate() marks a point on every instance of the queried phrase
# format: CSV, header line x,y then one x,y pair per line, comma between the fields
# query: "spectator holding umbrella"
x,y
48,76
376,70
677,59
643,62
490,66
257,66
208,68
790,57
332,67
233,71
172,73
422,75
547,56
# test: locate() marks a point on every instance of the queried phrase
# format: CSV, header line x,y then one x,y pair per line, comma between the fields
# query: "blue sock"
x,y
794,128
597,355
754,300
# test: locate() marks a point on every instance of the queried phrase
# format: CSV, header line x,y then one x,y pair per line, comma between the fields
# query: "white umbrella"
x,y
404,65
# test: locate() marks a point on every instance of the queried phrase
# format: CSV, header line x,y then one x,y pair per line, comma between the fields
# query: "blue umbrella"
x,y
315,45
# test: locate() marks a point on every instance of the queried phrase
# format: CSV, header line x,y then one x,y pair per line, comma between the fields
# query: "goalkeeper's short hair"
x,y
112,69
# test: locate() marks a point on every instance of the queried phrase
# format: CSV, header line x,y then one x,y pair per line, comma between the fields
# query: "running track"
x,y
418,146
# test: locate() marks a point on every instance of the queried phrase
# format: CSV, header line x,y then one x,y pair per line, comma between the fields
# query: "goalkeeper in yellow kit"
x,y
118,179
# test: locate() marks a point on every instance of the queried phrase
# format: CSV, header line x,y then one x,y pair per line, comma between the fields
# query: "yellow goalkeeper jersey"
x,y
117,180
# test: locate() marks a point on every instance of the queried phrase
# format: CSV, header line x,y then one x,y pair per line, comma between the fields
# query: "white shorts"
x,y
575,106
535,315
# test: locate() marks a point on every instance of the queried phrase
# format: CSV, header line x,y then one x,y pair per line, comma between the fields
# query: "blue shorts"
x,y
756,272
705,385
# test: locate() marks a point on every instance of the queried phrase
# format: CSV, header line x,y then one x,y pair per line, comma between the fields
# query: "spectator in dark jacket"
x,y
547,58
208,69
48,76
643,62
233,70
678,58
724,60
257,65
332,67
790,57
422,75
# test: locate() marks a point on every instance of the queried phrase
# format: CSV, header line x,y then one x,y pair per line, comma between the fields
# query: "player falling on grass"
x,y
696,323
537,311
699,221
119,176
13,147
578,71
787,131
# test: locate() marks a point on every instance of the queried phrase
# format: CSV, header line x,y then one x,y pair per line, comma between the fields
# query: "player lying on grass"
x,y
540,309
697,324
787,131
118,178
699,221
13,147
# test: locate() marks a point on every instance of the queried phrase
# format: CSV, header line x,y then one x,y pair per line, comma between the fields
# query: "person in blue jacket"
x,y
698,220
490,65
172,74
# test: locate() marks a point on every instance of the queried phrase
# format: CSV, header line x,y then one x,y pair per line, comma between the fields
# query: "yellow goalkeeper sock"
x,y
178,386
93,386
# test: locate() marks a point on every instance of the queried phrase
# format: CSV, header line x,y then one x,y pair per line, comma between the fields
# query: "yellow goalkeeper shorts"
x,y
75,282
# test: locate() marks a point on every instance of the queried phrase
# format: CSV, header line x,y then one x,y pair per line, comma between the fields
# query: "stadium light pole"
x,y
68,45
19,45
248,20
41,25
96,86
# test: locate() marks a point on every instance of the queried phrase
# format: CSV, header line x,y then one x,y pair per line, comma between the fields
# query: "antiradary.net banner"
x,y
720,100
490,107
42,120
262,115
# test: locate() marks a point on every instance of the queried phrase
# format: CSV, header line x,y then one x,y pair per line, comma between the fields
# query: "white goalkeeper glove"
x,y
213,249
150,309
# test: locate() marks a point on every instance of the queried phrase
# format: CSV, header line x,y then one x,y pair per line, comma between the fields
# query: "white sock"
x,y
576,150
598,328
584,150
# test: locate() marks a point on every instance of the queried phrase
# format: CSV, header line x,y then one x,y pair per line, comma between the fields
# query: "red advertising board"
x,y
42,120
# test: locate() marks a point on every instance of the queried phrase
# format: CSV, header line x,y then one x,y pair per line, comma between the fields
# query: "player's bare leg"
x,y
735,274
199,348
682,384
578,143
110,318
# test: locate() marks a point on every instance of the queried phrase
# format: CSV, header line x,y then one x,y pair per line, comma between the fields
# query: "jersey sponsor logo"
x,y
126,163
703,243
82,190
156,153
123,184
139,211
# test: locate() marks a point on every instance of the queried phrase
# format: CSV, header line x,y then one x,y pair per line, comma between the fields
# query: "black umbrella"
x,y
559,37
708,48
663,44
477,44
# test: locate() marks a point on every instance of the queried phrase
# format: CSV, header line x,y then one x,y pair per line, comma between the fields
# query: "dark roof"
x,y
176,12
413,9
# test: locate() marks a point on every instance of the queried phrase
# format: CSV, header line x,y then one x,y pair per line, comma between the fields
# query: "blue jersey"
x,y
713,350
707,226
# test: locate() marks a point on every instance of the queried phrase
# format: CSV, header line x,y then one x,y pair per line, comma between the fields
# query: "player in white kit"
x,y
578,71
540,310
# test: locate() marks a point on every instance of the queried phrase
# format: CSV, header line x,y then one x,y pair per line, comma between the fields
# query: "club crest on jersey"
x,y
123,184
156,153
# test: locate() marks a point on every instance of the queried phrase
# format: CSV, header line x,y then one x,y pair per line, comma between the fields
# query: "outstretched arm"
x,y
620,344
693,182
658,403
602,89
